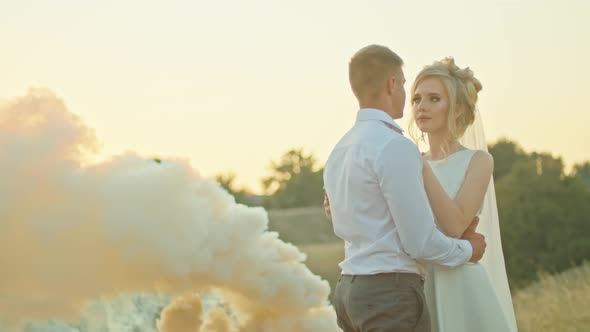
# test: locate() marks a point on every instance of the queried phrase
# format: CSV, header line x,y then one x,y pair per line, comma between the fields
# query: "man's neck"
x,y
377,106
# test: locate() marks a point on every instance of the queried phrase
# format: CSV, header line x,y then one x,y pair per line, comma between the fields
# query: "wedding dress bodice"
x,y
451,171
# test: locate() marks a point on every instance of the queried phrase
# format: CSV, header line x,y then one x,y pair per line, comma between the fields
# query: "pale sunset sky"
x,y
233,85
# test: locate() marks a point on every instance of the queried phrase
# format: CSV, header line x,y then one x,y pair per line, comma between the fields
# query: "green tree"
x,y
295,181
544,213
506,153
582,171
228,182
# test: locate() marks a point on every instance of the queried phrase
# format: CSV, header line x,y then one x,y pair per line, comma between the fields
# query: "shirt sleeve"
x,y
399,169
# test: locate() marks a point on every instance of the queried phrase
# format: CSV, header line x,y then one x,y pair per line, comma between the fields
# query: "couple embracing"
x,y
416,226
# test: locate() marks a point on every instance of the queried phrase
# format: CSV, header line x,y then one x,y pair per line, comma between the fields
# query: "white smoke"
x,y
72,233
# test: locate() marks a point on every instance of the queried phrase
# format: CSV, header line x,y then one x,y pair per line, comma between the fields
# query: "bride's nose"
x,y
420,106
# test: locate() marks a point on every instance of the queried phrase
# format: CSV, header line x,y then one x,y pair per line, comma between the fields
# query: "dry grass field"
x,y
323,259
558,303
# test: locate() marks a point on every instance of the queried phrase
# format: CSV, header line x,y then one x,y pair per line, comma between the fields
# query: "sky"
x,y
232,85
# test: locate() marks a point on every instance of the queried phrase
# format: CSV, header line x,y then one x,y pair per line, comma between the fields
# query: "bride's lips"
x,y
422,118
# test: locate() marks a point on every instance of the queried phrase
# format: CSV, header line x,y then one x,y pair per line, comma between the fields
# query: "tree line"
x,y
544,211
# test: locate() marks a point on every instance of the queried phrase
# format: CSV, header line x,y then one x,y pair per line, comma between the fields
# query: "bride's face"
x,y
430,105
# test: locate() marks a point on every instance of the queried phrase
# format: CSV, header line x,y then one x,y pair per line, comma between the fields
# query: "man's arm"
x,y
399,169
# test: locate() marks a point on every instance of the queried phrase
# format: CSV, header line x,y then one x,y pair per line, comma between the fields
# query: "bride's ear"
x,y
459,111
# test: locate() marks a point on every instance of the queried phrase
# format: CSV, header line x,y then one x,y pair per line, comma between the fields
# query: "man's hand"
x,y
327,207
471,228
478,241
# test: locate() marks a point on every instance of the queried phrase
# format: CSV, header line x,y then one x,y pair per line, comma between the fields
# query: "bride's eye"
x,y
415,100
434,99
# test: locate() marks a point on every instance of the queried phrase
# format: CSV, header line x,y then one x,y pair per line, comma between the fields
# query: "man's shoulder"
x,y
375,139
399,152
379,133
401,143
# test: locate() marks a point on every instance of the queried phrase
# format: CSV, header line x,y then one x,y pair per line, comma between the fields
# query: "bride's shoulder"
x,y
482,160
482,154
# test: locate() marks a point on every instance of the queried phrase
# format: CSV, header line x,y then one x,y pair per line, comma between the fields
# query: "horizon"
x,y
232,90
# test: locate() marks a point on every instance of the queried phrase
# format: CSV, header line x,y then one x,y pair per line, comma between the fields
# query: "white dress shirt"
x,y
379,207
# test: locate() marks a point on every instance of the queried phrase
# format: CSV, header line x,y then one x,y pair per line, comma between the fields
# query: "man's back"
x,y
360,213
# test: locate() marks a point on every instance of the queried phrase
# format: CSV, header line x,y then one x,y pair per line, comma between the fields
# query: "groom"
x,y
379,207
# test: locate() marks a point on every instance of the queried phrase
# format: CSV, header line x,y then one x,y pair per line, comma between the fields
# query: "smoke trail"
x,y
72,232
185,314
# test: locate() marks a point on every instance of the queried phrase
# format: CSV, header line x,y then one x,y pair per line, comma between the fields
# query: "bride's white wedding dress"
x,y
462,299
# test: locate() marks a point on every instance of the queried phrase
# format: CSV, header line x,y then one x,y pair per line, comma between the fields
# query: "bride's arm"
x,y
454,216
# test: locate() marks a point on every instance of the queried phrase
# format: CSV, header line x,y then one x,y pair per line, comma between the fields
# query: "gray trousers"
x,y
387,302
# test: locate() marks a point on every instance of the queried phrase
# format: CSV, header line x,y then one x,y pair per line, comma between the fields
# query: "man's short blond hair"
x,y
370,68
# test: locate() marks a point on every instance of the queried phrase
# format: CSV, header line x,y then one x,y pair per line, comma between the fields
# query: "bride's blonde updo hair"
x,y
462,88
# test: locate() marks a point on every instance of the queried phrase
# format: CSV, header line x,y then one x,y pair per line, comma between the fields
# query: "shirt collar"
x,y
368,114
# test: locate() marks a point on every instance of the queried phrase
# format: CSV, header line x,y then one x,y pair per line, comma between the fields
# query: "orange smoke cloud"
x,y
73,232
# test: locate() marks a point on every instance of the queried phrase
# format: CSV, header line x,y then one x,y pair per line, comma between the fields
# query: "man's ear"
x,y
391,82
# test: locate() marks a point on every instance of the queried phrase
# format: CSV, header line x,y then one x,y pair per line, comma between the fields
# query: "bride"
x,y
458,181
